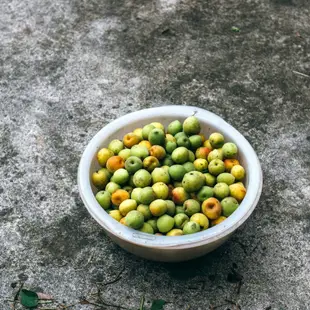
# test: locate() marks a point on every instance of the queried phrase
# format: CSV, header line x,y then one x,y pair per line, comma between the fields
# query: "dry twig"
x,y
301,74
17,294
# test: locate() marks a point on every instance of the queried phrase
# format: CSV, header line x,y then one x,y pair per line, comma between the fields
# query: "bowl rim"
x,y
210,235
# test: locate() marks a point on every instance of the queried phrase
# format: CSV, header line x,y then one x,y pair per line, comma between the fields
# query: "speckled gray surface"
x,y
67,68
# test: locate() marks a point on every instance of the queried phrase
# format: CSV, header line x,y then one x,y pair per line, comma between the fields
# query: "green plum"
x,y
134,219
191,207
180,155
158,125
174,232
166,168
146,131
135,194
101,178
177,172
112,187
189,167
225,177
133,164
165,223
221,190
180,134
147,228
125,153
170,137
142,178
216,167
195,141
191,126
205,193
157,137
170,207
191,228
201,164
153,223
210,179
215,154
127,205
116,215
238,172
201,220
237,190
167,161
161,190
147,195
120,176
150,163
160,175
174,127
230,150
158,207
216,140
180,220
140,151
170,146
103,155
191,156
193,181
116,146
229,205
104,199
184,141
179,209
145,210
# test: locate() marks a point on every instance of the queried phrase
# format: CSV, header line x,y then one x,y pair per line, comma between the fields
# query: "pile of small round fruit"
x,y
169,182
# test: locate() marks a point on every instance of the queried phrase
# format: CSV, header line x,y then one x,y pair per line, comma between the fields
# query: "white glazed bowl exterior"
x,y
162,248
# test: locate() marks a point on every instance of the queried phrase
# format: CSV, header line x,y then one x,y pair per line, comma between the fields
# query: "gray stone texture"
x,y
69,67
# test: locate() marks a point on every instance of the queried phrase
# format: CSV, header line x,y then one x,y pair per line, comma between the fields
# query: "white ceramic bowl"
x,y
162,248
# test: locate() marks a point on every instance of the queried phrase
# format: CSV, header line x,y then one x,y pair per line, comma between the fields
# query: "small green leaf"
x,y
28,299
235,29
158,304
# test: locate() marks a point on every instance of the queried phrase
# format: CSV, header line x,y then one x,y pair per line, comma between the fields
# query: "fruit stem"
x,y
142,303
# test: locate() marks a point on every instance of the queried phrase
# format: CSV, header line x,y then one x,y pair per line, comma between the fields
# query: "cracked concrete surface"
x,y
67,68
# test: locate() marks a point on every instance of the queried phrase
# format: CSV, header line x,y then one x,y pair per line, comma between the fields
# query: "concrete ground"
x,y
67,68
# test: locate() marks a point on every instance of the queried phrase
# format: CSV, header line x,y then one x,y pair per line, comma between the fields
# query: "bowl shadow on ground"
x,y
220,263
201,266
